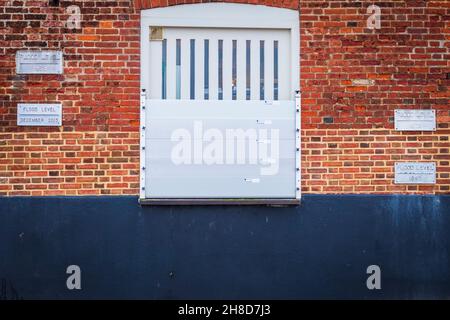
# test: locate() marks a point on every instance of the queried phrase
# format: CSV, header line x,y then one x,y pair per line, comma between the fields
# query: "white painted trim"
x,y
221,15
145,47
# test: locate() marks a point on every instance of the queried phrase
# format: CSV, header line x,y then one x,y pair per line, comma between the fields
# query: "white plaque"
x,y
415,120
415,172
39,62
38,114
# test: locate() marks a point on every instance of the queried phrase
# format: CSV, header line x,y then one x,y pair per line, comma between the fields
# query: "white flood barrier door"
x,y
219,116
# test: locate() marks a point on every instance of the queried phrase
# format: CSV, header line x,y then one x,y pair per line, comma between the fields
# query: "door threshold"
x,y
219,201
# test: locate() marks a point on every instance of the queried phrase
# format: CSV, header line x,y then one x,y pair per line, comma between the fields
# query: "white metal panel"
x,y
162,167
267,170
262,159
254,188
220,109
162,128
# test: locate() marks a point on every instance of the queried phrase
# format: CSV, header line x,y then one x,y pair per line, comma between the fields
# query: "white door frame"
x,y
221,15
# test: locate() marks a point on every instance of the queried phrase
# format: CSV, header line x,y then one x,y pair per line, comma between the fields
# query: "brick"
x,y
351,81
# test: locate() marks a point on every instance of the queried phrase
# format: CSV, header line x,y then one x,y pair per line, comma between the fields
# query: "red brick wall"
x,y
96,151
349,145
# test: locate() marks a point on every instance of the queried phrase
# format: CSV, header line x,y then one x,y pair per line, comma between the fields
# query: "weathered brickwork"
x,y
67,163
352,79
362,161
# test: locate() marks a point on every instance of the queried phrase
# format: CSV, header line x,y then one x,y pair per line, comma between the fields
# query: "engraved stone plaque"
x,y
39,62
415,120
415,172
39,114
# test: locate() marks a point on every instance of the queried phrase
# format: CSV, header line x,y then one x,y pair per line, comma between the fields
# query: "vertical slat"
x,y
262,59
155,69
268,69
185,68
199,68
164,70
220,70
171,67
192,67
284,76
178,68
227,68
213,68
234,69
275,71
206,64
254,69
241,68
248,62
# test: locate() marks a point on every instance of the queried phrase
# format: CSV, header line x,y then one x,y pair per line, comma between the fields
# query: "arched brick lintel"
x,y
148,4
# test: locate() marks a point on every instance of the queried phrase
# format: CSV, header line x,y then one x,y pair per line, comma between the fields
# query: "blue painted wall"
x,y
320,249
